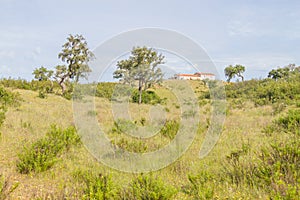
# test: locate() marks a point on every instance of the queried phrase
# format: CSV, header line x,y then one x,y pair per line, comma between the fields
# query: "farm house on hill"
x,y
196,76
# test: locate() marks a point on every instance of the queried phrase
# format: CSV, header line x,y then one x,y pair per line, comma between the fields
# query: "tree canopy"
x,y
283,72
140,68
232,71
76,54
42,74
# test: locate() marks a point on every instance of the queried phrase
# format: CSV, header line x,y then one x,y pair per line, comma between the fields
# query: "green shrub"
x,y
42,154
70,93
64,138
35,85
147,187
237,104
105,90
297,103
202,102
170,129
275,168
238,169
290,122
3,110
136,146
98,187
42,94
78,92
279,168
200,187
279,171
266,91
123,126
38,157
7,99
67,95
143,121
148,97
278,107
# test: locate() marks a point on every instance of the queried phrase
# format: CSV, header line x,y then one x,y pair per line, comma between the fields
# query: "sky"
x,y
259,34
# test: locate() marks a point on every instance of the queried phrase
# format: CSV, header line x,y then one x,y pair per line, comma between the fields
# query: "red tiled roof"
x,y
203,73
193,75
198,74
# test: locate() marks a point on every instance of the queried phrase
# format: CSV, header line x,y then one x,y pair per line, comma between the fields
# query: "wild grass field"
x,y
257,155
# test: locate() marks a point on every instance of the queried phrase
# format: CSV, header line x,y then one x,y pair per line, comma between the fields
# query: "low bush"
x,y
279,171
200,187
147,187
266,91
39,157
274,168
35,85
148,97
99,187
3,110
7,99
290,122
238,169
136,146
42,94
123,126
105,90
170,129
42,154
278,107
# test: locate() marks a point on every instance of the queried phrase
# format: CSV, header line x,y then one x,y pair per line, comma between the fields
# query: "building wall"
x,y
209,77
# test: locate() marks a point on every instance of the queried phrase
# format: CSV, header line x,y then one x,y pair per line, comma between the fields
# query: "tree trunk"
x,y
140,95
62,84
140,91
52,86
63,87
241,76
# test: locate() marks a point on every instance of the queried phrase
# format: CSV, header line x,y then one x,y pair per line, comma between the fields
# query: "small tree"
x,y
232,71
283,72
42,74
76,54
141,68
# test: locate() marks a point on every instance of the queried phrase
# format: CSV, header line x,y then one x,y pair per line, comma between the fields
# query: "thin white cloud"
x,y
7,54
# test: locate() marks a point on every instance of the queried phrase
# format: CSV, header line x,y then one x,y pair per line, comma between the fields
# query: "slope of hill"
x,y
233,170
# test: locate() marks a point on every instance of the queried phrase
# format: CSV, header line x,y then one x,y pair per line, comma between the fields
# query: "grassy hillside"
x,y
255,157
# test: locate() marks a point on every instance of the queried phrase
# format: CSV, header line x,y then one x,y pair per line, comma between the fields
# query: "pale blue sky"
x,y
258,34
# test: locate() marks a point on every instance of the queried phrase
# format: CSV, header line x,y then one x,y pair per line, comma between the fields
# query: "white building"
x,y
196,76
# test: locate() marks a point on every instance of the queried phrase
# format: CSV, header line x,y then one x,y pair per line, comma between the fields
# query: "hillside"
x,y
233,169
